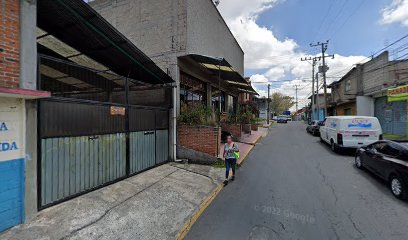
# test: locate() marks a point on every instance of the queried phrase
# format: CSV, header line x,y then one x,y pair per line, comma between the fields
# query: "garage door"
x,y
392,116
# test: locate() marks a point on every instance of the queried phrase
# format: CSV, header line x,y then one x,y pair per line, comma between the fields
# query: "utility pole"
x,y
317,97
267,109
296,88
314,61
323,69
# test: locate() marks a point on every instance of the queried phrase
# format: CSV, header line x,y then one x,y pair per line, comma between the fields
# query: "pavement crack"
x,y
188,170
72,233
282,225
326,182
355,225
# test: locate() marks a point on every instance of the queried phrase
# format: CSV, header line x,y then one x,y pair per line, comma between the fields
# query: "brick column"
x,y
9,43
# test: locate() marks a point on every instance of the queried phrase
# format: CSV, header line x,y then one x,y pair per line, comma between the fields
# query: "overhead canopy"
x,y
221,67
76,24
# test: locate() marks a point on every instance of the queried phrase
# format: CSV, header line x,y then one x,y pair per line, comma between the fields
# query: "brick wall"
x,y
9,43
234,129
199,138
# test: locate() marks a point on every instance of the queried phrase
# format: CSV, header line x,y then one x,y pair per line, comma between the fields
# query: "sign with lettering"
x,y
11,129
117,111
398,94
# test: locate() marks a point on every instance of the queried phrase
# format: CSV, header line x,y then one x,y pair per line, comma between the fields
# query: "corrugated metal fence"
x,y
84,147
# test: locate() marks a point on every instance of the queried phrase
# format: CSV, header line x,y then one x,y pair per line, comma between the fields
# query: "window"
x,y
192,90
348,85
347,112
216,97
388,149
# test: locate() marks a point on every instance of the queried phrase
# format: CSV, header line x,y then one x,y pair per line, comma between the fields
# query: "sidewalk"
x,y
247,142
155,204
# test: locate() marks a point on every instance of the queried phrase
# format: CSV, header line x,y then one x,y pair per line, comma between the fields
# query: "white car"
x,y
350,131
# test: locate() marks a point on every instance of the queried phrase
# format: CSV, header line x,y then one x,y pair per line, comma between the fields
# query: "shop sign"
x,y
11,125
117,111
398,94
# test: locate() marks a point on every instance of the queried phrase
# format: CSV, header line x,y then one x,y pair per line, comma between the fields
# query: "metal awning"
x,y
218,66
221,67
76,24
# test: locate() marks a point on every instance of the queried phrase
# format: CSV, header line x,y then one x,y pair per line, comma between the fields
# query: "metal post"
x,y
267,109
219,86
296,87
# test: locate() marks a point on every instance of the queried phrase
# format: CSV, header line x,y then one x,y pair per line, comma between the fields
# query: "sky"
x,y
276,34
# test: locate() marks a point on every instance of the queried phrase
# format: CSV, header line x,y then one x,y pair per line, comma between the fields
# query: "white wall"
x,y
12,125
365,106
208,34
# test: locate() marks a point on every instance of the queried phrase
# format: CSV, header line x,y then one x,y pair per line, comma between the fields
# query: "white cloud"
x,y
396,12
275,73
278,58
231,9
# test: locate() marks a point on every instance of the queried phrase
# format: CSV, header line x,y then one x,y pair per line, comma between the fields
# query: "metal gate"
x,y
84,147
392,116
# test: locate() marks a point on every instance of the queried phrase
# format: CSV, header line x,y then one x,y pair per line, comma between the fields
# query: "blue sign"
x,y
360,125
5,146
3,127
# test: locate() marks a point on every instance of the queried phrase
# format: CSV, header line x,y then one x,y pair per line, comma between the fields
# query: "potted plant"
x,y
254,124
246,119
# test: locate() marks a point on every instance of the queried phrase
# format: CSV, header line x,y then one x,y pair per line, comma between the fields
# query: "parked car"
x,y
350,131
282,120
314,127
388,160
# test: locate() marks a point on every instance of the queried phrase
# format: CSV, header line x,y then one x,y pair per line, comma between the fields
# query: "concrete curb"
x,y
190,222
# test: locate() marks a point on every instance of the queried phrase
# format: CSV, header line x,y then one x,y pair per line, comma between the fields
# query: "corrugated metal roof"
x,y
75,23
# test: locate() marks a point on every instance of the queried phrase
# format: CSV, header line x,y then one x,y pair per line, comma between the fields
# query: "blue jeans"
x,y
230,163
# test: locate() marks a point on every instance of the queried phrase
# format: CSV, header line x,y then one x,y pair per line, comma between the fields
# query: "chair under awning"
x,y
75,23
222,68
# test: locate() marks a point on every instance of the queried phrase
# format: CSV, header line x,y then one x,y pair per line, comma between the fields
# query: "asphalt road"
x,y
293,187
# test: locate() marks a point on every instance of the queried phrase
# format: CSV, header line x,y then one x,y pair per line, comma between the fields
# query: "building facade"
x,y
189,40
345,91
17,112
317,111
369,89
79,108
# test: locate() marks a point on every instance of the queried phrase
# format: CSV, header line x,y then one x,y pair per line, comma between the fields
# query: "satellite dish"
x,y
217,2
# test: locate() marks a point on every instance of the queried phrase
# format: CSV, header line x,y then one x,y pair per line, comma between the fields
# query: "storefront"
x,y
11,162
391,111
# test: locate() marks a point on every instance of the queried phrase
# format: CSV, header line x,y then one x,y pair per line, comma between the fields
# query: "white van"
x,y
350,131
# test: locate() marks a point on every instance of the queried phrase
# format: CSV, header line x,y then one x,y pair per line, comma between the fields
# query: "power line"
x,y
335,18
348,18
324,19
373,55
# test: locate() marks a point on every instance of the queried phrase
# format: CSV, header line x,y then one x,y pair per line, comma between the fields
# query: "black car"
x,y
314,128
388,160
282,120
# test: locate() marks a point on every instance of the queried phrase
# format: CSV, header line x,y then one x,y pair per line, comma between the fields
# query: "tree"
x,y
280,103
